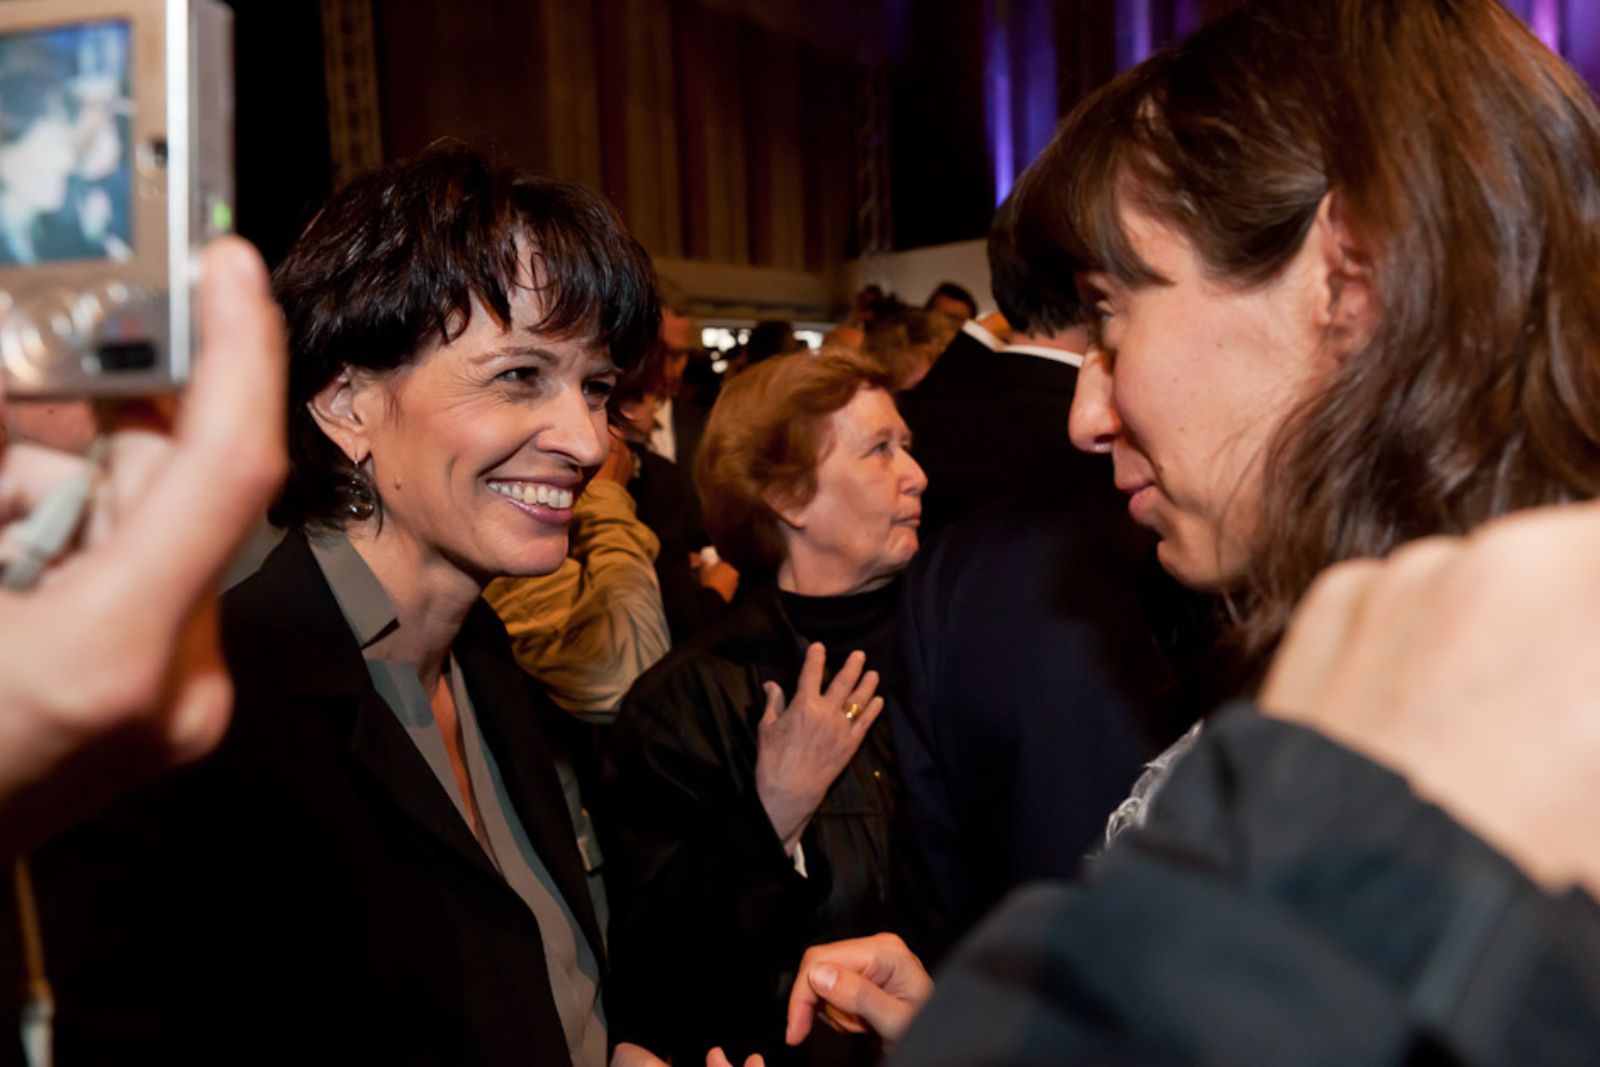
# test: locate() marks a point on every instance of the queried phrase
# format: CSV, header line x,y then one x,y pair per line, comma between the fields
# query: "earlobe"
x,y
790,515
338,410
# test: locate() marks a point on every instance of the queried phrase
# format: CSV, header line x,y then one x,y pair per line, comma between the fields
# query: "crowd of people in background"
x,y
609,700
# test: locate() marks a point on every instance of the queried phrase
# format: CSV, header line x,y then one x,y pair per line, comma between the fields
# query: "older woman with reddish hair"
x,y
749,826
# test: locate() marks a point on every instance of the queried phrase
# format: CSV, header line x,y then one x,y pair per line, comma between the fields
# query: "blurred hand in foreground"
x,y
1468,666
110,669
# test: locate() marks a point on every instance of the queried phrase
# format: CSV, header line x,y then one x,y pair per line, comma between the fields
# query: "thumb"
x,y
850,993
230,454
774,702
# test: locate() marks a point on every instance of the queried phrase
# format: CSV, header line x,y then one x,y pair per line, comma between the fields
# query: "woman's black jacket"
x,y
710,915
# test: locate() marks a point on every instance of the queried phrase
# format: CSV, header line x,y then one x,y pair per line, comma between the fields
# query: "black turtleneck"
x,y
864,621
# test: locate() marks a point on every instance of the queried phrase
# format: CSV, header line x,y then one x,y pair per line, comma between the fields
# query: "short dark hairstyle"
x,y
953,292
765,437
395,260
1032,301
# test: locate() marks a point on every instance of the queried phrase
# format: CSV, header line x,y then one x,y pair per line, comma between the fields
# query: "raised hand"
x,y
803,747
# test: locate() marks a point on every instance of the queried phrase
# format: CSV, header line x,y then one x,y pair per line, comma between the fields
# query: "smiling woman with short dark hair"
x,y
380,864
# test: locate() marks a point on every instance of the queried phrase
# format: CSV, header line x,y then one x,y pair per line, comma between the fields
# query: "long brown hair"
x,y
1466,158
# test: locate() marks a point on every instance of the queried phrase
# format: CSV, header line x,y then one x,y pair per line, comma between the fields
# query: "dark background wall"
x,y
720,138
283,161
727,131
739,138
943,189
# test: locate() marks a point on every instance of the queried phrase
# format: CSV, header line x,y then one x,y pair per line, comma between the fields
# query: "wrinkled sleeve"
x,y
588,630
1289,902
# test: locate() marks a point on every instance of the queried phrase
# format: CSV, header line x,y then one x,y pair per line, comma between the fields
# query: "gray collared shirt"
x,y
574,970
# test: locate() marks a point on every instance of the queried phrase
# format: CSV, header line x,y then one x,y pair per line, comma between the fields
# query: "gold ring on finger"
x,y
852,711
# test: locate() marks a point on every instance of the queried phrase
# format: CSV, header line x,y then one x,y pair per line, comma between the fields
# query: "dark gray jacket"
x,y
1288,903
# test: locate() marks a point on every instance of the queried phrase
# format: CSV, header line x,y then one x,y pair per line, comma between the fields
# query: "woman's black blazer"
x,y
309,894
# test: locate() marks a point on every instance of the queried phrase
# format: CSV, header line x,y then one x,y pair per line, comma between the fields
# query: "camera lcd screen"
x,y
66,144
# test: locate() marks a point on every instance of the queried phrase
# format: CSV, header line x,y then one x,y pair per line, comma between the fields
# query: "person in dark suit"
x,y
379,864
1010,399
1046,657
1046,661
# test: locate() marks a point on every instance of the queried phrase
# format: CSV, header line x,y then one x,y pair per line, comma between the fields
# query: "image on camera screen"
x,y
66,144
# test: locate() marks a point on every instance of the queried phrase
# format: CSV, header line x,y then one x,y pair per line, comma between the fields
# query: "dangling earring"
x,y
360,502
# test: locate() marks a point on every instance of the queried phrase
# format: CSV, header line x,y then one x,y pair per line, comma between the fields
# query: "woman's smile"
x,y
540,498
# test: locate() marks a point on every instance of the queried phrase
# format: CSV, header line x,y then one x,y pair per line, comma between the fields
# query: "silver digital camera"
x,y
116,167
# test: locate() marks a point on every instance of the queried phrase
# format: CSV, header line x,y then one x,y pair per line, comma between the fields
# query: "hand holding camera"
x,y
110,669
